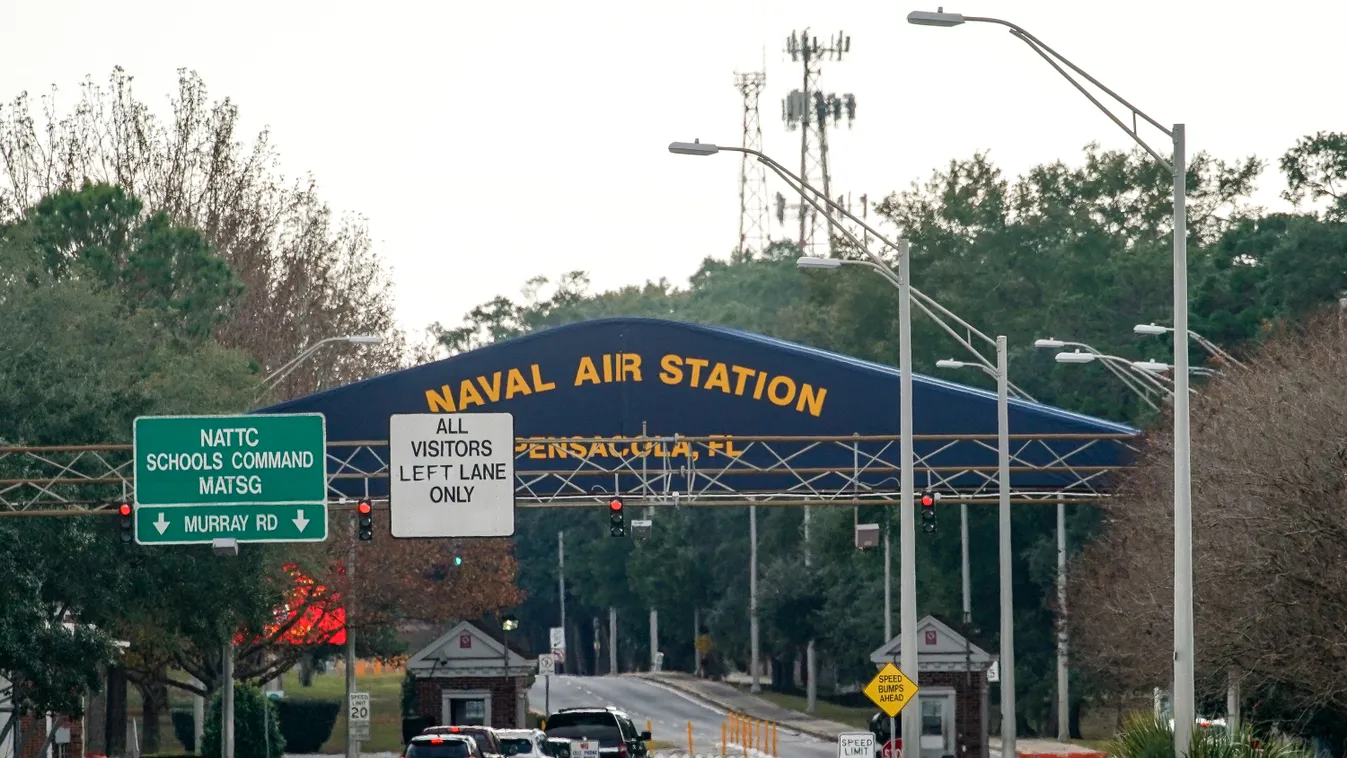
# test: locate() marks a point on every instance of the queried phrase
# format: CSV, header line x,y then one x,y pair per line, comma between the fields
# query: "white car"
x,y
526,743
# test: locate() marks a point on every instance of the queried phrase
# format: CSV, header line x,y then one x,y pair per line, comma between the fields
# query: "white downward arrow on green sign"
x,y
162,523
300,521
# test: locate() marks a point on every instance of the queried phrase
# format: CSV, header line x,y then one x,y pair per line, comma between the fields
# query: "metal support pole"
x,y
352,746
227,700
1232,698
1184,707
561,593
1063,674
810,659
612,638
888,578
198,718
907,549
753,654
966,581
654,638
1007,671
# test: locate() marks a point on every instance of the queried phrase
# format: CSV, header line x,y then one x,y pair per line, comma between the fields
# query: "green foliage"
x,y
257,732
408,694
1144,736
153,264
184,728
1080,252
307,724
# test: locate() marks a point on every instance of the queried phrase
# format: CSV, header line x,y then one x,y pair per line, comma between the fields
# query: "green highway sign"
x,y
246,523
255,478
231,460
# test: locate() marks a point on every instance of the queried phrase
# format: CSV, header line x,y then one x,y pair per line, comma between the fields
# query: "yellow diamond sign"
x,y
891,690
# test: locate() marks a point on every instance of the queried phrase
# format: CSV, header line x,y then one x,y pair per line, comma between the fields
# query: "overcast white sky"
x,y
490,141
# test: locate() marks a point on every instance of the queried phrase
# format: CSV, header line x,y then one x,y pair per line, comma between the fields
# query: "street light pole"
x,y
274,379
1184,706
1005,552
907,519
907,622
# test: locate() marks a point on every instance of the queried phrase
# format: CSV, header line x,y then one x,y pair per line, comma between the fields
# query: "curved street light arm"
x,y
1052,57
1136,380
921,299
1214,349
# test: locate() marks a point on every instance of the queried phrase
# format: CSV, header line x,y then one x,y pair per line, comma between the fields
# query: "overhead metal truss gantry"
x,y
855,470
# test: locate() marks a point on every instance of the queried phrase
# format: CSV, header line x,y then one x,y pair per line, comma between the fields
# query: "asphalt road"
x,y
668,711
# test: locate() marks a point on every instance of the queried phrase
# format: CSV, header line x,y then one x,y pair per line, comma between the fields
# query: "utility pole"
x,y
612,640
1063,673
753,597
561,589
811,662
227,700
352,745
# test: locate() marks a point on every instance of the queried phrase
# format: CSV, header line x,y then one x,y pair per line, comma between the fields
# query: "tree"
x,y
1079,251
307,273
1268,525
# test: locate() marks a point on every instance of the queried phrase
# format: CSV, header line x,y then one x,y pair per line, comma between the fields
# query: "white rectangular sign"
x,y
587,749
357,716
856,745
557,636
547,665
451,474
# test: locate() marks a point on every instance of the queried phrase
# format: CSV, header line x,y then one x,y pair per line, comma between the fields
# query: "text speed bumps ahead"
x,y
451,474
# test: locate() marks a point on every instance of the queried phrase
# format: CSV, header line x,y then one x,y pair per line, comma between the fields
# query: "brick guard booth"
x,y
462,678
952,675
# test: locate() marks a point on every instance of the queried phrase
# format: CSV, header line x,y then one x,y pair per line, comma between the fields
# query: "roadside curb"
x,y
674,684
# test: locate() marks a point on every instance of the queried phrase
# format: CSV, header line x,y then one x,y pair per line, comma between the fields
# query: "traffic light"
x,y
928,511
128,527
365,515
617,520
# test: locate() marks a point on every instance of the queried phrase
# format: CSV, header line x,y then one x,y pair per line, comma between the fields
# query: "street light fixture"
x,y
939,18
1215,350
818,263
1185,713
696,147
1075,357
1050,344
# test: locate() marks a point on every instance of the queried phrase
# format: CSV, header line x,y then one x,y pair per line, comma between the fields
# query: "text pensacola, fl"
x,y
238,460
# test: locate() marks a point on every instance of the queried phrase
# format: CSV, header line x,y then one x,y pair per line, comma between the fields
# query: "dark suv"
x,y
616,735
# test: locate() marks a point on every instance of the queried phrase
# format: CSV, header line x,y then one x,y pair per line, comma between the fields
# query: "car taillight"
x,y
621,751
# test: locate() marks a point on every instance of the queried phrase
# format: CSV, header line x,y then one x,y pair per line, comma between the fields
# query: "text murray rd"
x,y
452,475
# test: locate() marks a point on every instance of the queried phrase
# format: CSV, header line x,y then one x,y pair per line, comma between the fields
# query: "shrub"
x,y
408,695
307,724
184,728
257,732
1146,737
414,725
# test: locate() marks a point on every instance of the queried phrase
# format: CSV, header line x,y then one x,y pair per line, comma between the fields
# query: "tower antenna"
x,y
754,231
811,109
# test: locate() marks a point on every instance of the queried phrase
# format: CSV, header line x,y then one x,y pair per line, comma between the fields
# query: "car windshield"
x,y
515,746
446,749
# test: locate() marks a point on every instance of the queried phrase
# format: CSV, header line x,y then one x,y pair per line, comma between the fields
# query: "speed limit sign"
x,y
357,715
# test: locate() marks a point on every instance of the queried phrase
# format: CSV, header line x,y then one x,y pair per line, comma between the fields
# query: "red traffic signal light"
x,y
124,509
927,500
364,508
615,505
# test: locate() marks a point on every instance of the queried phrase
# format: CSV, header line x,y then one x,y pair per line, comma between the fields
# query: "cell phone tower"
x,y
754,231
810,109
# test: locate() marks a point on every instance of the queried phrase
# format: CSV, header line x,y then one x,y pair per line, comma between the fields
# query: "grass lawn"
x,y
857,717
385,707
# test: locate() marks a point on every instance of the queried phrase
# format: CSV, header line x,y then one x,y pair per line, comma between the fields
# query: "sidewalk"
x,y
1034,748
729,698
